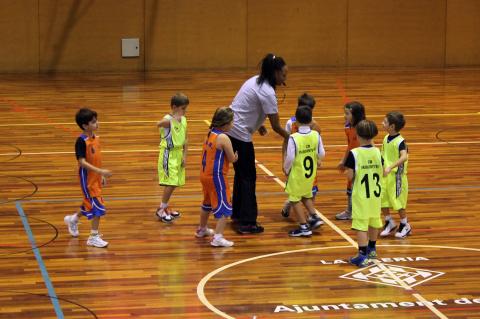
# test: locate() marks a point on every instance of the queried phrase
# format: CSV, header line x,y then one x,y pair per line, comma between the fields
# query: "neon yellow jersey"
x,y
304,167
175,136
367,189
391,154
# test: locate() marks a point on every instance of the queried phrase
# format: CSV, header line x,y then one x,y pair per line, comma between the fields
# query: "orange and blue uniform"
x,y
90,181
213,175
352,142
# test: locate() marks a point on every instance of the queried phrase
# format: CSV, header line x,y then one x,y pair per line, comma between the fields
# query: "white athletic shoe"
x,y
389,228
96,241
403,230
204,232
72,225
221,242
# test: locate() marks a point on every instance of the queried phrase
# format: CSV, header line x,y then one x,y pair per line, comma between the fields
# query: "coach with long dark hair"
x,y
255,101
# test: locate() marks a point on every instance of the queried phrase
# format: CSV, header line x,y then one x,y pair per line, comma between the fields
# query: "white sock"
x,y
403,220
388,218
163,205
217,236
75,218
94,233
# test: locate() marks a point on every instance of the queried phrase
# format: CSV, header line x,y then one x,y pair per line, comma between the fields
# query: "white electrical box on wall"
x,y
130,47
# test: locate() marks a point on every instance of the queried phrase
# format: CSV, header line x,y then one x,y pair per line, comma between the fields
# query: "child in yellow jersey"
x,y
216,155
173,154
292,127
304,152
92,177
354,112
395,182
364,168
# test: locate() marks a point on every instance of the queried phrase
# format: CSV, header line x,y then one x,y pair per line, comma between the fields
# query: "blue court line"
x,y
41,265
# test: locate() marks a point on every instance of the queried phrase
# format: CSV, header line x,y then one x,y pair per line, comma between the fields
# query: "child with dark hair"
x,y
395,182
292,127
364,169
216,156
354,112
92,177
172,155
304,152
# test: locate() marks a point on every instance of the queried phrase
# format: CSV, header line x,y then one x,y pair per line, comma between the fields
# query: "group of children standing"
x,y
377,180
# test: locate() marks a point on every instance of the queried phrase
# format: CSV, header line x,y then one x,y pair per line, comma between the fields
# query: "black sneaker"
x,y
314,222
300,232
250,229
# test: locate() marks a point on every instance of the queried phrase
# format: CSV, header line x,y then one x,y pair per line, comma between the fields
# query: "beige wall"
x,y
18,36
463,33
85,35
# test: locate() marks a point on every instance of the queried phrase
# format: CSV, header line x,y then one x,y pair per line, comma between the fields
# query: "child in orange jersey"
x,y
216,155
292,127
354,113
92,177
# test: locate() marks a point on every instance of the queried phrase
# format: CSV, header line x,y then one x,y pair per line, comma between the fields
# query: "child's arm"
x,y
321,150
104,172
290,156
224,143
349,173
401,160
341,165
164,123
185,149
315,127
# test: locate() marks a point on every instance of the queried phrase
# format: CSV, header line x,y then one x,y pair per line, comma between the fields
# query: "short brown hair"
x,y
179,99
366,129
397,119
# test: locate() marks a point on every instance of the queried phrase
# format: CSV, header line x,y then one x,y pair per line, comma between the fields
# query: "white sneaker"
x,y
221,242
389,227
72,225
403,230
96,241
163,215
204,232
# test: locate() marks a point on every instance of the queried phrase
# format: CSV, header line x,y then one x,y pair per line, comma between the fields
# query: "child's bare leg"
x,y
95,224
297,208
386,213
403,213
204,214
167,193
218,239
373,234
221,222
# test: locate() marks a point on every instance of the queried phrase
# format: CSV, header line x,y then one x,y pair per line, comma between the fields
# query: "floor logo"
x,y
375,274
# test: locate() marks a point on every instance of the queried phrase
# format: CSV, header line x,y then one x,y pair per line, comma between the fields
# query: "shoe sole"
x,y
214,245
301,235
91,245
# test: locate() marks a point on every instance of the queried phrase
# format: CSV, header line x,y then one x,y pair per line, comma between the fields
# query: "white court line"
x,y
379,264
199,149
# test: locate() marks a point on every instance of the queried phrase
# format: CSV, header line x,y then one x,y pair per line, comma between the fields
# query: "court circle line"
x,y
205,279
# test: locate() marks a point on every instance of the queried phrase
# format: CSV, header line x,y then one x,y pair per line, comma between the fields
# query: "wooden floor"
x,y
154,270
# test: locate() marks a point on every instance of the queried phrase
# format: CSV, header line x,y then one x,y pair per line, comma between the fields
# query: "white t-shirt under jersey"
x,y
251,106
